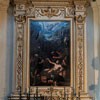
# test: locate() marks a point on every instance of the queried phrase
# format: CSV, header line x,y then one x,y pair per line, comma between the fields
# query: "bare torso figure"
x,y
57,67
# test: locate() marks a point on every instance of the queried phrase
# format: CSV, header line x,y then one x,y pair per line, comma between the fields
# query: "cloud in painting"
x,y
49,30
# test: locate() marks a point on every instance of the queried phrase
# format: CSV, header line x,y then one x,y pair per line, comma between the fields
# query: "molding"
x,y
50,0
52,3
20,20
21,1
80,13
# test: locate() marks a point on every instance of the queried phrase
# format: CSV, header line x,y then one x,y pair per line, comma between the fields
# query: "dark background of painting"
x,y
49,40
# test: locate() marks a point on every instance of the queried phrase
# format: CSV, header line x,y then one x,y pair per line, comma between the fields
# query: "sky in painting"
x,y
49,28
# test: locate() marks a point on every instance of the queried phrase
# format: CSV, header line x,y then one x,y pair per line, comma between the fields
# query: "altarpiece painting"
x,y
49,53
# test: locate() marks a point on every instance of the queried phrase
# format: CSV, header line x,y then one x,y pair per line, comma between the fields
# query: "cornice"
x,y
20,1
82,2
47,1
52,3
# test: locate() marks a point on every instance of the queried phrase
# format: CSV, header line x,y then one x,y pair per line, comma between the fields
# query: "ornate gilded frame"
x,y
72,52
69,10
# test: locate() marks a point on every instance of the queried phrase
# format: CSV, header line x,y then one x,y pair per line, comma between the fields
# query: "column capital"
x,y
4,5
85,3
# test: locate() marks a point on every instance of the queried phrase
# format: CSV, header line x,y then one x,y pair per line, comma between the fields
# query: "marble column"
x,y
96,60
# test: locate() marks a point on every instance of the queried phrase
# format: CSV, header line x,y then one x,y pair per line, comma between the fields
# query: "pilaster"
x,y
80,13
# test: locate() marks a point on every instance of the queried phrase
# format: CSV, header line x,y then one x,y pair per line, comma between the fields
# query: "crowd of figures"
x,y
49,71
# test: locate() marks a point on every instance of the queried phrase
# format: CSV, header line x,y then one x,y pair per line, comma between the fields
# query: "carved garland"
x,y
20,20
80,22
49,11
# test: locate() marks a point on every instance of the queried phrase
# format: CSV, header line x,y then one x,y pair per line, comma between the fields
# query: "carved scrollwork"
x,y
49,11
30,11
80,18
80,7
20,7
70,11
20,18
80,15
80,55
53,92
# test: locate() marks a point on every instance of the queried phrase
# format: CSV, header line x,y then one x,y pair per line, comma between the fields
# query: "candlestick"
x,y
64,93
67,95
36,92
20,96
79,95
51,90
27,89
9,98
72,94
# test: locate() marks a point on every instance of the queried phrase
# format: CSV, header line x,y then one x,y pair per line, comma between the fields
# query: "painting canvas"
x,y
49,53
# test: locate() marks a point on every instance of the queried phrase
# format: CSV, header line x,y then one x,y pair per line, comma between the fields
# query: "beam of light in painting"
x,y
49,53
